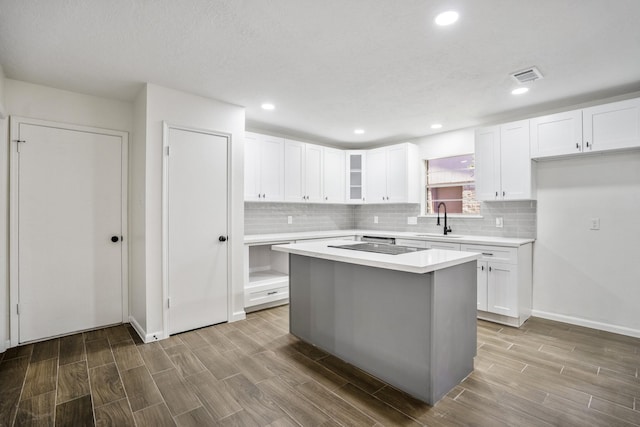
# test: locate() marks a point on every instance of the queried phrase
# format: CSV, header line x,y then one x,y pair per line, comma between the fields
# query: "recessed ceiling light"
x,y
358,131
268,106
436,126
447,18
520,91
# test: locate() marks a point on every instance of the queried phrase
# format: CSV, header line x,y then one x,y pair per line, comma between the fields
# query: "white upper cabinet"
x,y
278,169
355,182
333,175
302,172
487,163
294,177
377,175
556,135
264,157
398,179
393,174
612,126
516,174
313,173
502,163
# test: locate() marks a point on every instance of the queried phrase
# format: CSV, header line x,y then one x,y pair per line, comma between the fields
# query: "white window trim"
x,y
423,201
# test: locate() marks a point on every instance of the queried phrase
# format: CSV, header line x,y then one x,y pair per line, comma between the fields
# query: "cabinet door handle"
x,y
259,196
496,194
482,267
272,292
326,197
577,146
504,193
487,254
587,144
489,268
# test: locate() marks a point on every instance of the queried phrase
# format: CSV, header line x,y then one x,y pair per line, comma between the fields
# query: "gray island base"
x,y
414,331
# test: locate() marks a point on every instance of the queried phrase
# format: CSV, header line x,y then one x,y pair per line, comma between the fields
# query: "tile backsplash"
x,y
267,218
519,218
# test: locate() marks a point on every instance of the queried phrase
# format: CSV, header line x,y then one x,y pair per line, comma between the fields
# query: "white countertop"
x,y
415,262
478,240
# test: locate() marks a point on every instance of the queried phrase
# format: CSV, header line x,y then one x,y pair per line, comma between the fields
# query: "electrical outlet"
x,y
499,222
412,220
595,224
375,219
289,219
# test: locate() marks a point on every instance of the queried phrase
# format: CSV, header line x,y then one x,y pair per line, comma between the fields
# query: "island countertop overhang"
x,y
419,262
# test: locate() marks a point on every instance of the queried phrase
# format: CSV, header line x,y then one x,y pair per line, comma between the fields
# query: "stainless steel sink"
x,y
438,235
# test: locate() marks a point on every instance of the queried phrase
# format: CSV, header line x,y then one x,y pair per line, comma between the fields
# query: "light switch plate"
x,y
412,220
289,219
375,219
595,224
499,222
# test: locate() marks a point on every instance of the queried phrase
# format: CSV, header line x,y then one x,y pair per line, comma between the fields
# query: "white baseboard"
x,y
622,330
238,315
4,346
146,337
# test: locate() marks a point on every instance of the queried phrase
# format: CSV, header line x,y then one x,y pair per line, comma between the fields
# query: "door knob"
x,y
115,239
222,238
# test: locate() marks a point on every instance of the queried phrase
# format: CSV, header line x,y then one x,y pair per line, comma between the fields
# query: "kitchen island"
x,y
407,319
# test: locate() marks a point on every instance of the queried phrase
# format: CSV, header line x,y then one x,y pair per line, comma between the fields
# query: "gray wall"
x,y
263,218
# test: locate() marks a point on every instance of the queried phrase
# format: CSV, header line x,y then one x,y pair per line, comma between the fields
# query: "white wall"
x,y
4,176
184,109
41,102
590,278
2,107
137,236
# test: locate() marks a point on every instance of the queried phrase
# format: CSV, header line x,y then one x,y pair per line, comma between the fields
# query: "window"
x,y
451,180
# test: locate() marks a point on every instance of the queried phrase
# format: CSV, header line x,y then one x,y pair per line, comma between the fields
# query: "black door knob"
x,y
222,238
114,239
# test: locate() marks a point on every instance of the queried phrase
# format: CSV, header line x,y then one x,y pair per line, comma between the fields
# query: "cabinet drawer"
x,y
266,295
493,253
411,243
444,245
327,239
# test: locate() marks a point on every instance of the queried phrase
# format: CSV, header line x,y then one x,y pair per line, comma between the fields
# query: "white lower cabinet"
x,y
266,282
428,244
504,283
483,267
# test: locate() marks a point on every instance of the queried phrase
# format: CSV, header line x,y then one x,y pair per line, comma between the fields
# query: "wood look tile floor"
x,y
253,373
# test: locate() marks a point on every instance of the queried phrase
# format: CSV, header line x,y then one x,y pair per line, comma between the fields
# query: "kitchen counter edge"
x,y
254,239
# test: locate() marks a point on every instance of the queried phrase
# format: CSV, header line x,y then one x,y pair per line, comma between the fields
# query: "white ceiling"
x,y
331,66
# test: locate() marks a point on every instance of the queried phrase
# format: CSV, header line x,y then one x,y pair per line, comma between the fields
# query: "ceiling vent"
x,y
527,75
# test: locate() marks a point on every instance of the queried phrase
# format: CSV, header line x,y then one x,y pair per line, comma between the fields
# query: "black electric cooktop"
x,y
379,248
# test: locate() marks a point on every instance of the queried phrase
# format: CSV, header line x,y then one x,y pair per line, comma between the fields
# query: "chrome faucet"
x,y
446,229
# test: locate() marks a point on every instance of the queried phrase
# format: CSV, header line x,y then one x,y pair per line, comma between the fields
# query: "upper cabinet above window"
x,y
612,126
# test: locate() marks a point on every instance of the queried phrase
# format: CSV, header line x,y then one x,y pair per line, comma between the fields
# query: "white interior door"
x,y
69,207
195,223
